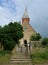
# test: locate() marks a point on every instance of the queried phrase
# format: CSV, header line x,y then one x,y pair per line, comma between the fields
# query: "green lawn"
x,y
4,57
39,55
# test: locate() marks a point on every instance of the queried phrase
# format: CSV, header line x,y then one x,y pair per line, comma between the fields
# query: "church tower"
x,y
27,31
25,18
27,28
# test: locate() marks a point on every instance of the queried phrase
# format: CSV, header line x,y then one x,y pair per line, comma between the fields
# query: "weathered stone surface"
x,y
20,58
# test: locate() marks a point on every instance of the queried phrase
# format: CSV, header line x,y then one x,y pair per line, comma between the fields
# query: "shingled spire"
x,y
25,15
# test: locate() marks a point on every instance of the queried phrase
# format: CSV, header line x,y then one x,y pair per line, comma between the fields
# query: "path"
x,y
20,58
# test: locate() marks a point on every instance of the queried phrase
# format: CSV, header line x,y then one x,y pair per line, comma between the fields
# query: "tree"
x,y
44,41
10,35
35,37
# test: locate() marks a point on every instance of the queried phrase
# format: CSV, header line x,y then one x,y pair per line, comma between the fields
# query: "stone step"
x,y
20,61
18,57
19,54
15,59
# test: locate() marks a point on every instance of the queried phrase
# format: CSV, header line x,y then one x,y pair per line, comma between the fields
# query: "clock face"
x,y
25,28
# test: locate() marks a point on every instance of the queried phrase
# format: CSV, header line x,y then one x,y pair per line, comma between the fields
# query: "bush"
x,y
45,41
35,37
44,55
10,35
4,52
41,55
9,45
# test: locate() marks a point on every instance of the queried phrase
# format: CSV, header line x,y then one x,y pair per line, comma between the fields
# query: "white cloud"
x,y
6,16
37,10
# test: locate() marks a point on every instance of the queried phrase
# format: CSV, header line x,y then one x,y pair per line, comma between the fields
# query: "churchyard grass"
x,y
4,57
39,55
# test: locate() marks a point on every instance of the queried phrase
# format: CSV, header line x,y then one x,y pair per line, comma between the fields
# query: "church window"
x,y
25,28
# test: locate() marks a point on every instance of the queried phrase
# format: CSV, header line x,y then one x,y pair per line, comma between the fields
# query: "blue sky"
x,y
12,10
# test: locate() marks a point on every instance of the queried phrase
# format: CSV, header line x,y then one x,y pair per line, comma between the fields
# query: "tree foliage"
x,y
45,41
35,37
10,35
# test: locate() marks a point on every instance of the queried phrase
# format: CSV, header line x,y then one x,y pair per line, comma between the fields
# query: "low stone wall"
x,y
36,43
